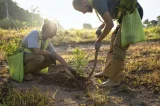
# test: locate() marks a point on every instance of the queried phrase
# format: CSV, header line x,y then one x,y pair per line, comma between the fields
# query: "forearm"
x,y
61,60
108,26
105,32
102,25
71,71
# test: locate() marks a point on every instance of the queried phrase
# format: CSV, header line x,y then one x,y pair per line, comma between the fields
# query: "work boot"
x,y
116,74
106,71
109,83
100,75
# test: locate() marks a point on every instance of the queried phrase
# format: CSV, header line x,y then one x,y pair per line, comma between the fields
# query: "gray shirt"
x,y
103,6
110,6
32,41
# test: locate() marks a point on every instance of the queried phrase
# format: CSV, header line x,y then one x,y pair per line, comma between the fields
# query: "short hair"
x,y
48,24
77,3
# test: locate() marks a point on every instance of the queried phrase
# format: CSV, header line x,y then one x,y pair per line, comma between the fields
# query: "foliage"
x,y
79,61
15,24
158,18
146,21
73,36
14,17
11,47
29,97
11,38
126,6
152,32
142,64
17,13
151,23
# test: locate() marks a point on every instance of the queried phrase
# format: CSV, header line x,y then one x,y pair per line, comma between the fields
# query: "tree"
x,y
158,18
154,23
87,26
10,9
6,4
146,22
60,27
10,12
34,11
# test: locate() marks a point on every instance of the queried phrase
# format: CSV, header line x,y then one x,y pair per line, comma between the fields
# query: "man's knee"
x,y
120,57
119,53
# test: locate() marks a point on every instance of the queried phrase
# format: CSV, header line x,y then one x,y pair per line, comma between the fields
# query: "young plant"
x,y
79,61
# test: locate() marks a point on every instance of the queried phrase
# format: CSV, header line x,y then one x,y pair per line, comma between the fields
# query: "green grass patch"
x,y
152,32
30,97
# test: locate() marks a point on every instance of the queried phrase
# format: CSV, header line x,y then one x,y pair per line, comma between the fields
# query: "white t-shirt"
x,y
32,41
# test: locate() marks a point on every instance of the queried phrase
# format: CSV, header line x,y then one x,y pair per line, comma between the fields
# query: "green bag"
x,y
132,29
16,66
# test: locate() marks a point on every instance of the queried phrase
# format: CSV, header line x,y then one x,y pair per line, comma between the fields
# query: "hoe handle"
x,y
95,63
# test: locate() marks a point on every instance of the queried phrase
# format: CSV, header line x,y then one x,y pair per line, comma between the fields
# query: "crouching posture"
x,y
39,52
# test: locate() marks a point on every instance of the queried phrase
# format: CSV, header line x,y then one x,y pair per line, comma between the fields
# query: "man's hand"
x,y
54,58
98,32
80,81
97,45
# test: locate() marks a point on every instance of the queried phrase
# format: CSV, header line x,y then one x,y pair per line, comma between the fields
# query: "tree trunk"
x,y
6,4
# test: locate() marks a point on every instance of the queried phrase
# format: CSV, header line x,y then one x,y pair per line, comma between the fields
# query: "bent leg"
x,y
106,71
32,62
117,63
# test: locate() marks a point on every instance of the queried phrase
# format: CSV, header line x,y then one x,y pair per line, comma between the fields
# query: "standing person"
x,y
39,52
116,55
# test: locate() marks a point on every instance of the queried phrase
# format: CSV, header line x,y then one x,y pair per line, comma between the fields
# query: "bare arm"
x,y
102,25
57,56
61,60
108,26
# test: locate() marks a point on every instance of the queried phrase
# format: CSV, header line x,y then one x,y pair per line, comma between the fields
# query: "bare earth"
x,y
69,93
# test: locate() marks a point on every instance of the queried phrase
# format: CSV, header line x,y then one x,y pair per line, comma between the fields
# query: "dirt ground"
x,y
69,93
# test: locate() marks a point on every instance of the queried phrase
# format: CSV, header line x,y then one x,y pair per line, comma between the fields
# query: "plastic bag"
x,y
132,29
16,67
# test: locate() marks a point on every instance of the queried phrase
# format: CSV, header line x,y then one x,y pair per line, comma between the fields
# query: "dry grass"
x,y
142,63
31,97
143,66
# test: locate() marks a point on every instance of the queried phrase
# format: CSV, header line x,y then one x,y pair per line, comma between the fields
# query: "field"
x,y
140,87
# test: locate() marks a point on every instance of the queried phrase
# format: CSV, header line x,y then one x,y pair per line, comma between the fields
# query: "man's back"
x,y
111,6
106,5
